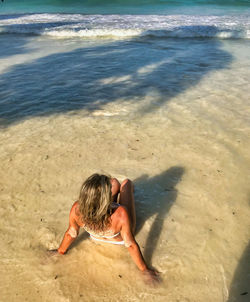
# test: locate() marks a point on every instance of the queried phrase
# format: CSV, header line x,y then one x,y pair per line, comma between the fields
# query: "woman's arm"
x,y
137,257
130,242
71,233
134,249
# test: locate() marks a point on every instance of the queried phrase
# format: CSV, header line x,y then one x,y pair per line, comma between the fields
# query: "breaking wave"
x,y
122,26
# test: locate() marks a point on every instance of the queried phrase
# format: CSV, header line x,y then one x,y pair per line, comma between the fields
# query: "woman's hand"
x,y
151,277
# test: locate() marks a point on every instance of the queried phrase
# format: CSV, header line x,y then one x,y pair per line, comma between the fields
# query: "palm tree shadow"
x,y
240,286
162,197
92,76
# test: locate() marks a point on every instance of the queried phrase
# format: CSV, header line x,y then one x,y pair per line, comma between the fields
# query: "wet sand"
x,y
189,160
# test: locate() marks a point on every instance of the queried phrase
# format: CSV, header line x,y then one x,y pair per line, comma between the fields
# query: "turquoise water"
x,y
124,6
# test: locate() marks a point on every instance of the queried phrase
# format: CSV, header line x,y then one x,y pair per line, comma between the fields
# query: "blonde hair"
x,y
95,202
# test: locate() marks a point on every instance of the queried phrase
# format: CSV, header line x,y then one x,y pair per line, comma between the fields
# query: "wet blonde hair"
x,y
95,202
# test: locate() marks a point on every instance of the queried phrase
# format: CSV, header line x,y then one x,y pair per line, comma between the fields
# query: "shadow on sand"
x,y
96,74
162,197
240,286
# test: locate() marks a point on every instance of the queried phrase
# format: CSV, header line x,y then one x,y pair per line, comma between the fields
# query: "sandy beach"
x,y
186,150
192,205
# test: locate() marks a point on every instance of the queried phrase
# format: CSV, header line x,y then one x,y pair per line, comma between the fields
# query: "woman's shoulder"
x,y
75,212
75,207
121,213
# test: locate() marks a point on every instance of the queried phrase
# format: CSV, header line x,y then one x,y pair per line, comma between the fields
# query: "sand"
x,y
189,160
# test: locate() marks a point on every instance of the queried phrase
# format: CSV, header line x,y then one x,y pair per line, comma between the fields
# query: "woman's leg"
x,y
127,200
115,189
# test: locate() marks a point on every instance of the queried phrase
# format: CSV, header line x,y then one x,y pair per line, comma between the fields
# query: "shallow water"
x,y
170,113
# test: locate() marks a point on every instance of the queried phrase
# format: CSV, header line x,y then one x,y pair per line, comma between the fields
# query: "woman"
x,y
98,212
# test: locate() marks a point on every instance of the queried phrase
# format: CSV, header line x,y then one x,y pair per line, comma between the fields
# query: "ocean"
x,y
124,7
155,91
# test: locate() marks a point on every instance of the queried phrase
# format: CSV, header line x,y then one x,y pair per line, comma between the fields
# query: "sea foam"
x,y
120,26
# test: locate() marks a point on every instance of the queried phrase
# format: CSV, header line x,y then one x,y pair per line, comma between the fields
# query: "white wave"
x,y
119,26
93,33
